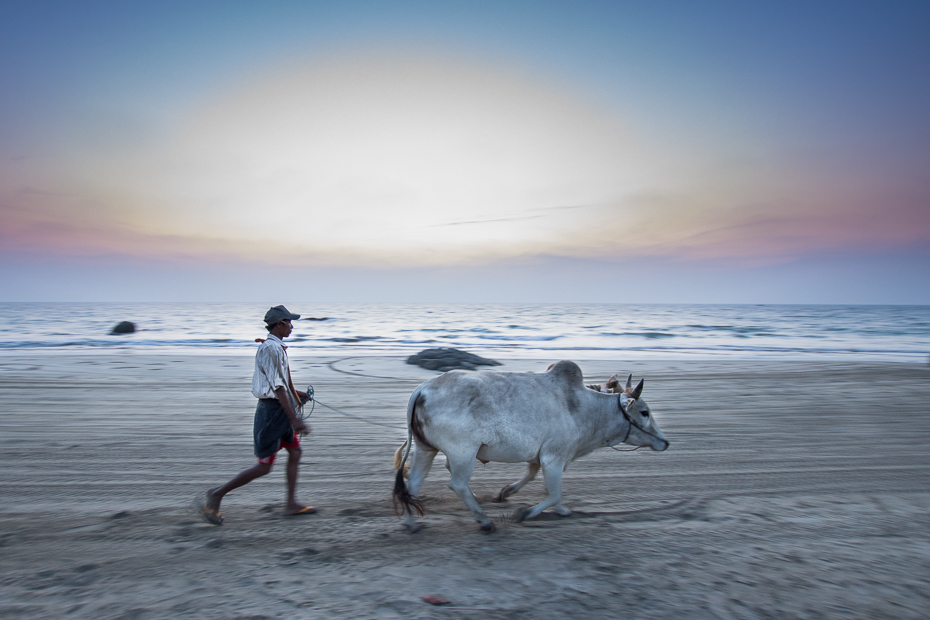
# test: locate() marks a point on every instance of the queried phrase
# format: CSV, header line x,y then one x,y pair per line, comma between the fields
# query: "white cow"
x,y
544,419
612,386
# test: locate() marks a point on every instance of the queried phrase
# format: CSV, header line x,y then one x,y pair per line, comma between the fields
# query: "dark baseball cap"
x,y
279,313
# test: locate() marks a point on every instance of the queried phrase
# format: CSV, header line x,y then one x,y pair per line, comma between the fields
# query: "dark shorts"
x,y
269,460
272,430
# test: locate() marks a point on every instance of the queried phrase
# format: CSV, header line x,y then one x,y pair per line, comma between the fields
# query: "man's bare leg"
x,y
292,506
215,495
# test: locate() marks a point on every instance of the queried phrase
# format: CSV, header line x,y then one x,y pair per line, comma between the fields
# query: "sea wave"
x,y
852,332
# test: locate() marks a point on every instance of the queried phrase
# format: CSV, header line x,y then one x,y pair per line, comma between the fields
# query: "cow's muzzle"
x,y
662,447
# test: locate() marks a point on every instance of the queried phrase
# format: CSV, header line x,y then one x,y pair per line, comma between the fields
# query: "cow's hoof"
x,y
502,496
520,514
488,527
413,528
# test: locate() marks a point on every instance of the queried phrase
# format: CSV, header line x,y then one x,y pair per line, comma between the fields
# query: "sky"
x,y
615,152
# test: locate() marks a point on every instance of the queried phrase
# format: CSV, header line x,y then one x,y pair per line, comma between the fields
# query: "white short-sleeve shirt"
x,y
271,368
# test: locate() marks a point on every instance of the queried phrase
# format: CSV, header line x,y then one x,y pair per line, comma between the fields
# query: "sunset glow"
x,y
375,146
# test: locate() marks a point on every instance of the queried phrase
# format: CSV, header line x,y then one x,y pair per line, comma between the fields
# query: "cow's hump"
x,y
567,373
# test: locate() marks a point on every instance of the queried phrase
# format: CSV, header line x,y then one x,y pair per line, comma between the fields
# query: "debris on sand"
x,y
432,599
124,327
447,358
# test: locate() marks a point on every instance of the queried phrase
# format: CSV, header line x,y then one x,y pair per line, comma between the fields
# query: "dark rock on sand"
x,y
124,327
447,358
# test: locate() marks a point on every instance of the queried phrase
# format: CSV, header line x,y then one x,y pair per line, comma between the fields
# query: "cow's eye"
x,y
645,414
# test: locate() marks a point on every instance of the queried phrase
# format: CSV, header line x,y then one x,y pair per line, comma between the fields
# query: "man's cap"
x,y
279,313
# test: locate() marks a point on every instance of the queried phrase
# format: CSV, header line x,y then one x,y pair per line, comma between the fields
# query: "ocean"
x,y
544,331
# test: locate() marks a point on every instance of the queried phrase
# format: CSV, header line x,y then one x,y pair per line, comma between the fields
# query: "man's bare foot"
x,y
297,509
210,509
213,502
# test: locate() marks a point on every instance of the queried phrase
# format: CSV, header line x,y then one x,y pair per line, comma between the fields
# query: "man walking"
x,y
276,422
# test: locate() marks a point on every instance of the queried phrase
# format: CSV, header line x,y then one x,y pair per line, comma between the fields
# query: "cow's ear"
x,y
638,391
629,381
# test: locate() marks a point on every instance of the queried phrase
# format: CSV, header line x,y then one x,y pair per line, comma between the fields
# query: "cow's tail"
x,y
404,502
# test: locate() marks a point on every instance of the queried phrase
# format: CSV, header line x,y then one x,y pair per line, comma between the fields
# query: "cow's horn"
x,y
638,391
629,381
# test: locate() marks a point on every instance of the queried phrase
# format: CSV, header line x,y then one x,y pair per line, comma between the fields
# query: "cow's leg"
x,y
553,473
559,509
461,468
422,460
531,470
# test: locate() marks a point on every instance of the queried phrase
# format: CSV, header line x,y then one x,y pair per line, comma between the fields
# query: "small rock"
x,y
432,599
124,327
447,358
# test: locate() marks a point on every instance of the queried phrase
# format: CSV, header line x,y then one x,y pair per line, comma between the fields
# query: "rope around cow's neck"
x,y
629,428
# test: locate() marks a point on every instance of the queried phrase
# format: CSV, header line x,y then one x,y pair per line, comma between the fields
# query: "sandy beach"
x,y
791,489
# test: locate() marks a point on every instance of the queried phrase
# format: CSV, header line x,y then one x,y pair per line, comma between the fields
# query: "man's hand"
x,y
302,428
303,395
296,423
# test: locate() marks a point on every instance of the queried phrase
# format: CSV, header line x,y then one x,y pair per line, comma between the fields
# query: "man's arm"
x,y
285,399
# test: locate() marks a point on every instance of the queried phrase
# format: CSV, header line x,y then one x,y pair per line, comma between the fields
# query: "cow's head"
x,y
644,431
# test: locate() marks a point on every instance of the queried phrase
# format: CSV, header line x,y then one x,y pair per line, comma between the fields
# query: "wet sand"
x,y
791,489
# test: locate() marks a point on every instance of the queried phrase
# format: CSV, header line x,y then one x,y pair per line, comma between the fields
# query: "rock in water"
x,y
124,327
447,358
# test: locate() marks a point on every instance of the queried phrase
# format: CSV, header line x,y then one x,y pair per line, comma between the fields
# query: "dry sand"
x,y
791,489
